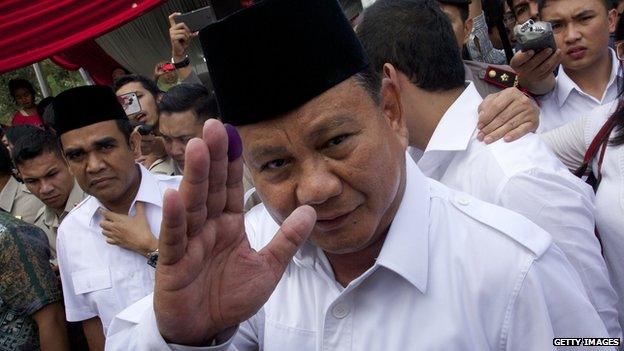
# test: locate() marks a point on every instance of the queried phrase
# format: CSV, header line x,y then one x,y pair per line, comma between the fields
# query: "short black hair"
x,y
145,82
15,133
35,144
6,164
48,118
416,37
464,9
20,83
190,97
541,3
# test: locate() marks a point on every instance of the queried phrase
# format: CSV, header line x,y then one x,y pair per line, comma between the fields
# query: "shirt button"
x,y
464,201
340,310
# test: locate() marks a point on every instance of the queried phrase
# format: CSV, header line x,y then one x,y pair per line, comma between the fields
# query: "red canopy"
x,y
33,30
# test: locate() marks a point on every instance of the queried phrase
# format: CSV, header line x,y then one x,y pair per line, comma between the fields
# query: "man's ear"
x,y
159,97
613,19
390,102
468,25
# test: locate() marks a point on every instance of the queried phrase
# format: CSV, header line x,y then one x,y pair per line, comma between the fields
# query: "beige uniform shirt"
x,y
165,166
19,202
49,222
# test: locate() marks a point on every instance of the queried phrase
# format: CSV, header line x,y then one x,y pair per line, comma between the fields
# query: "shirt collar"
x,y
565,84
458,124
149,192
405,249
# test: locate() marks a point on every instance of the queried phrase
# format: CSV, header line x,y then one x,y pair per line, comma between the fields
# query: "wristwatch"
x,y
152,258
182,63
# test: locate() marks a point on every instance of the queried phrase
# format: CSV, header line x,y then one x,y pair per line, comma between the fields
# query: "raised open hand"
x,y
208,277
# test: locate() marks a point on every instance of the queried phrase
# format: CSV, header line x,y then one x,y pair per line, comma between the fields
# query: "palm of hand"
x,y
208,277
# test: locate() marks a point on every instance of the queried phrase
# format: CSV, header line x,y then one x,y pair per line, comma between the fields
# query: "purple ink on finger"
x,y
235,144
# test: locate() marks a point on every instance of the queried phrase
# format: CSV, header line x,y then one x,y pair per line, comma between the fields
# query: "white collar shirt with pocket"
x,y
526,177
100,279
568,102
454,273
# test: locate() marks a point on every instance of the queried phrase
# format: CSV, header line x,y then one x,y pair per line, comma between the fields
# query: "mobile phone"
x,y
130,103
196,20
167,67
535,36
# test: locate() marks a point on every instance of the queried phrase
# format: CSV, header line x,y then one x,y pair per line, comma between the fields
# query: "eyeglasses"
x,y
619,50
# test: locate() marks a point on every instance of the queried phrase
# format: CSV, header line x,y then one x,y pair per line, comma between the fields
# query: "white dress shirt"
x,y
526,177
100,279
454,273
567,102
570,143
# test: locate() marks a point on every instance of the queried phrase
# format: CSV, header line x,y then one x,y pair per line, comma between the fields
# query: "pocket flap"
x,y
91,280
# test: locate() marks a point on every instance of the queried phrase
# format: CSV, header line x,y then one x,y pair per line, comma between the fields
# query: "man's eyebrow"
x,y
105,141
73,151
265,151
584,13
324,128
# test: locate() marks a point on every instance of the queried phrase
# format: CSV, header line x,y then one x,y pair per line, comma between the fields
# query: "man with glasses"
x,y
524,10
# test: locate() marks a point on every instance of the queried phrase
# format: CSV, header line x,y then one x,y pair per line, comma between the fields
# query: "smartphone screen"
x,y
130,103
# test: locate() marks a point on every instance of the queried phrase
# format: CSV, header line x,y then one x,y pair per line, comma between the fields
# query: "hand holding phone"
x,y
130,103
196,20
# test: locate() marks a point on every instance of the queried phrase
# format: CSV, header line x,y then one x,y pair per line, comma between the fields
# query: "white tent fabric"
x,y
140,44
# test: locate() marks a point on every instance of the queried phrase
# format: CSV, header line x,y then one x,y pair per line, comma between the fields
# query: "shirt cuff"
x,y
221,342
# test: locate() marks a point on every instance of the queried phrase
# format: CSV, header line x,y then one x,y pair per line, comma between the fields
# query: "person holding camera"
x,y
589,73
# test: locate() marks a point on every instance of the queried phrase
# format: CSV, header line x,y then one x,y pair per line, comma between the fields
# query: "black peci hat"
x,y
276,55
82,106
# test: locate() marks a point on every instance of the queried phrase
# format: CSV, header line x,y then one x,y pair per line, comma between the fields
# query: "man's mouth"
x,y
577,52
335,220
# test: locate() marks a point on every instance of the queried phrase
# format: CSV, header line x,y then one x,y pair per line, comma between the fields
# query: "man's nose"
x,y
94,163
317,184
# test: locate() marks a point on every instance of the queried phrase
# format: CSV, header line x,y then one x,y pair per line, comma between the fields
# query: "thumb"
x,y
140,209
172,19
292,234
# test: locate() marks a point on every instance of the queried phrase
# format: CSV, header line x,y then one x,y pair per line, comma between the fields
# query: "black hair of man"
x,y
464,8
15,133
6,165
416,37
190,97
146,83
48,118
607,4
20,83
34,145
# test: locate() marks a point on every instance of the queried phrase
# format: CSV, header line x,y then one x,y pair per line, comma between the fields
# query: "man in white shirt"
x,y
384,259
523,176
589,74
99,279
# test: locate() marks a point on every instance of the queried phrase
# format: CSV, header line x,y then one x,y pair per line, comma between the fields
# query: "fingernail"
x,y
235,144
480,125
488,140
480,136
507,138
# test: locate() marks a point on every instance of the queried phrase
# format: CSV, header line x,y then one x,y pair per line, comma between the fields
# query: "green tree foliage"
x,y
58,80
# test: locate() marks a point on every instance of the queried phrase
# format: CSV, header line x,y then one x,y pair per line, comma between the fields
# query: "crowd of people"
x,y
409,179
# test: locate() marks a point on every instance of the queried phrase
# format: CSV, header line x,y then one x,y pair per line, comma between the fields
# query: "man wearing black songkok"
x,y
352,248
103,264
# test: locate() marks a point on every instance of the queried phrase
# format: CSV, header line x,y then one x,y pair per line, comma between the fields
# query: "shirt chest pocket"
x,y
279,336
96,286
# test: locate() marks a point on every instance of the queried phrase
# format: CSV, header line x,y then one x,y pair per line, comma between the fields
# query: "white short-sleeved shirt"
x,y
454,273
567,102
100,279
526,177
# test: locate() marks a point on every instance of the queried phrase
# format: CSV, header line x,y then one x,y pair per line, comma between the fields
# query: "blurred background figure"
x,y
23,95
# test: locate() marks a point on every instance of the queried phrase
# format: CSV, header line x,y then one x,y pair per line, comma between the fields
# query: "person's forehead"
x,y
177,121
131,88
570,7
86,136
346,102
39,165
22,91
